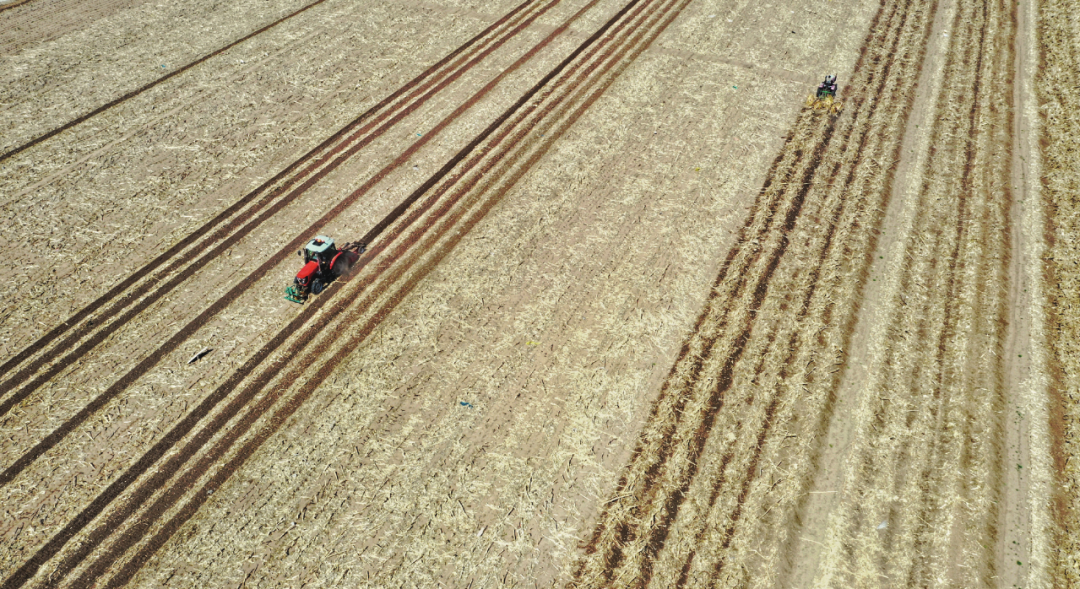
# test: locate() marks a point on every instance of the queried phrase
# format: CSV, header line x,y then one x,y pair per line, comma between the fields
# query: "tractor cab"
x,y
827,88
320,250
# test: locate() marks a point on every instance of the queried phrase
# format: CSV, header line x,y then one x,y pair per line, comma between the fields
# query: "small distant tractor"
x,y
323,263
825,98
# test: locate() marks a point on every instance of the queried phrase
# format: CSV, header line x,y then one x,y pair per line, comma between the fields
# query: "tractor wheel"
x,y
317,286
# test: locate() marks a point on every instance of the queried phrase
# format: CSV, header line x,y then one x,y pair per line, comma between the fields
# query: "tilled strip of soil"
x,y
756,373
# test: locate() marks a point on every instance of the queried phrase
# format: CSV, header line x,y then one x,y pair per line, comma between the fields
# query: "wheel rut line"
x,y
191,475
21,148
80,521
151,360
280,183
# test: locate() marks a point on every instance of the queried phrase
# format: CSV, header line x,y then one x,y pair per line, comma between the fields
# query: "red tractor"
x,y
323,263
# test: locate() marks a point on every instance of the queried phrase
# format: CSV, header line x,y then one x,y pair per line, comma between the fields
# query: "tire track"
x,y
700,363
354,136
13,4
83,118
224,243
223,302
288,333
302,369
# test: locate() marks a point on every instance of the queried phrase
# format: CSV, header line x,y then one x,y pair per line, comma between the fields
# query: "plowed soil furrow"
x,y
232,224
298,342
222,240
132,93
786,315
1058,76
926,474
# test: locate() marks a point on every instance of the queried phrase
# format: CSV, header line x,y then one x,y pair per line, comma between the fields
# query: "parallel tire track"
x,y
222,245
731,345
299,342
232,223
83,118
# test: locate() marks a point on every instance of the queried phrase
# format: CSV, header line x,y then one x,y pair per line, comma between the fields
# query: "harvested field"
x,y
629,314
1058,49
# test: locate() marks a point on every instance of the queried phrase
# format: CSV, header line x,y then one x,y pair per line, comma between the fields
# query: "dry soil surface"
x,y
631,313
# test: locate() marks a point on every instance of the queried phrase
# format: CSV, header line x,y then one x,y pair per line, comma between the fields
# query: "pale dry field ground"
x,y
521,385
1056,83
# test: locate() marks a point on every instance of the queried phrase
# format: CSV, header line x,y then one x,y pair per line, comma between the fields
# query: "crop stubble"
x,y
775,326
925,473
187,257
1058,76
422,496
512,27
656,24
15,150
